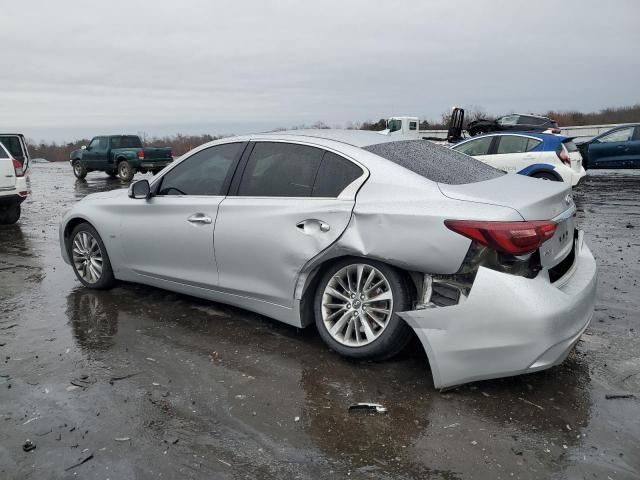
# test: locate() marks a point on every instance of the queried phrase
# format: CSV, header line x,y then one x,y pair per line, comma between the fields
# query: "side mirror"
x,y
83,147
140,189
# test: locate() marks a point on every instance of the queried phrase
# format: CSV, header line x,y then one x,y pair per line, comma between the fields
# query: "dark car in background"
x,y
119,155
616,148
516,121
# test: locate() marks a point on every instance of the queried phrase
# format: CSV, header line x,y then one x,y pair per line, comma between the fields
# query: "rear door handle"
x,y
310,225
199,218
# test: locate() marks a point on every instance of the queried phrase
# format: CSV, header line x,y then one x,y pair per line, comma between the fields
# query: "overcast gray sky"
x,y
78,68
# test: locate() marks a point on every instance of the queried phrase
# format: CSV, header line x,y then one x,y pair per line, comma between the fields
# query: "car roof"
x,y
356,138
525,115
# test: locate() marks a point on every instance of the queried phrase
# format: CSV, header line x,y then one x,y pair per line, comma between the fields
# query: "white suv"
x,y
13,184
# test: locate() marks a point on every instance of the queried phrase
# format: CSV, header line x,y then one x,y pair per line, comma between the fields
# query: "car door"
x,y
513,153
612,150
284,209
170,235
96,152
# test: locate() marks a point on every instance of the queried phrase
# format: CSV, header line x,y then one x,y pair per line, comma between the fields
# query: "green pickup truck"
x,y
119,155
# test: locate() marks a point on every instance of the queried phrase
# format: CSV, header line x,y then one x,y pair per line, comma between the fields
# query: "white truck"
x,y
409,128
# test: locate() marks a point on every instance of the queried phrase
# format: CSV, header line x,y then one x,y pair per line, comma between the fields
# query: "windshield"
x,y
126,142
434,162
394,125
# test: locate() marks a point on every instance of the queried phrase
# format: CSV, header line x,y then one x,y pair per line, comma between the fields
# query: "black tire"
x,y
125,171
546,176
79,169
395,336
9,215
106,279
112,173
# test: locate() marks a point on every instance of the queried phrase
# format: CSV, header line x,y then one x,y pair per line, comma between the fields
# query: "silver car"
x,y
369,238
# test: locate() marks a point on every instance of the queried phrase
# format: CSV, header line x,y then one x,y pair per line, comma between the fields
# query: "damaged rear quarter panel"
x,y
399,220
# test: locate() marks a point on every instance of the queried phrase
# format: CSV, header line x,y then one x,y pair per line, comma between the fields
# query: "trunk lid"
x,y
574,155
533,199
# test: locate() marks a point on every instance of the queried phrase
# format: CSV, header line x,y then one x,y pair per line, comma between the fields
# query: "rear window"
x,y
125,142
438,164
3,153
13,145
570,146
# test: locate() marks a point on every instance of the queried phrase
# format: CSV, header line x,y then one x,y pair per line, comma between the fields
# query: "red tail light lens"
x,y
17,166
514,238
563,155
140,154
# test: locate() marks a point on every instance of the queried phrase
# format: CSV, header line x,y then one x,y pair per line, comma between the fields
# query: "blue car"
x,y
617,148
546,156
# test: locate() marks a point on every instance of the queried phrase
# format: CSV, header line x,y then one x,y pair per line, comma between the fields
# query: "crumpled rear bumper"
x,y
508,325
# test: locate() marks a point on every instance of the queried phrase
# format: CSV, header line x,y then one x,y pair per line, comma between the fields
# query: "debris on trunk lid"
x,y
368,407
28,446
616,396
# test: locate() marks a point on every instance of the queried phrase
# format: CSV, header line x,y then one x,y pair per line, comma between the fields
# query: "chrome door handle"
x,y
307,226
199,218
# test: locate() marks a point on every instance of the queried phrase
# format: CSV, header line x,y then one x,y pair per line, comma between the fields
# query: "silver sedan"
x,y
371,239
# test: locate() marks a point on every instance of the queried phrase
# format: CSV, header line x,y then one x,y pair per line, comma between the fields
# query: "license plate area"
x,y
556,249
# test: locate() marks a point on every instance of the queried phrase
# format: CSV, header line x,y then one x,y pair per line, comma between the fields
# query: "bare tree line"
x,y
58,152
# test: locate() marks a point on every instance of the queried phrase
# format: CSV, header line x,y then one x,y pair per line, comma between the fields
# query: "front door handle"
x,y
311,225
199,218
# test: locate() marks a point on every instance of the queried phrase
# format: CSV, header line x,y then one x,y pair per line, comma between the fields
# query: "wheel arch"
x,y
309,279
540,168
70,225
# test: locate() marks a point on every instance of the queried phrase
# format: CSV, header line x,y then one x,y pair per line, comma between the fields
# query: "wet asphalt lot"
x,y
217,392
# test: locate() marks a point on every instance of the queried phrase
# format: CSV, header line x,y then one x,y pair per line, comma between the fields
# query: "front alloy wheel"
x,y
89,257
356,305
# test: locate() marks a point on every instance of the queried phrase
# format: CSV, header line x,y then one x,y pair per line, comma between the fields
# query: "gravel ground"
x,y
142,383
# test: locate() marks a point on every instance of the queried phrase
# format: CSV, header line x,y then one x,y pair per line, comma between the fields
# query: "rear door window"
x,y
276,169
479,146
516,144
335,174
3,153
508,120
206,172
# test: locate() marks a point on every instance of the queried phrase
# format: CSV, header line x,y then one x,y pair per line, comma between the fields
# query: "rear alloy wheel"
x,y
546,176
356,309
9,215
125,171
79,170
89,258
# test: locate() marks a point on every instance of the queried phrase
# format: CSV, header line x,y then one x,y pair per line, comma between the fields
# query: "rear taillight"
x,y
17,166
514,238
140,154
563,155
